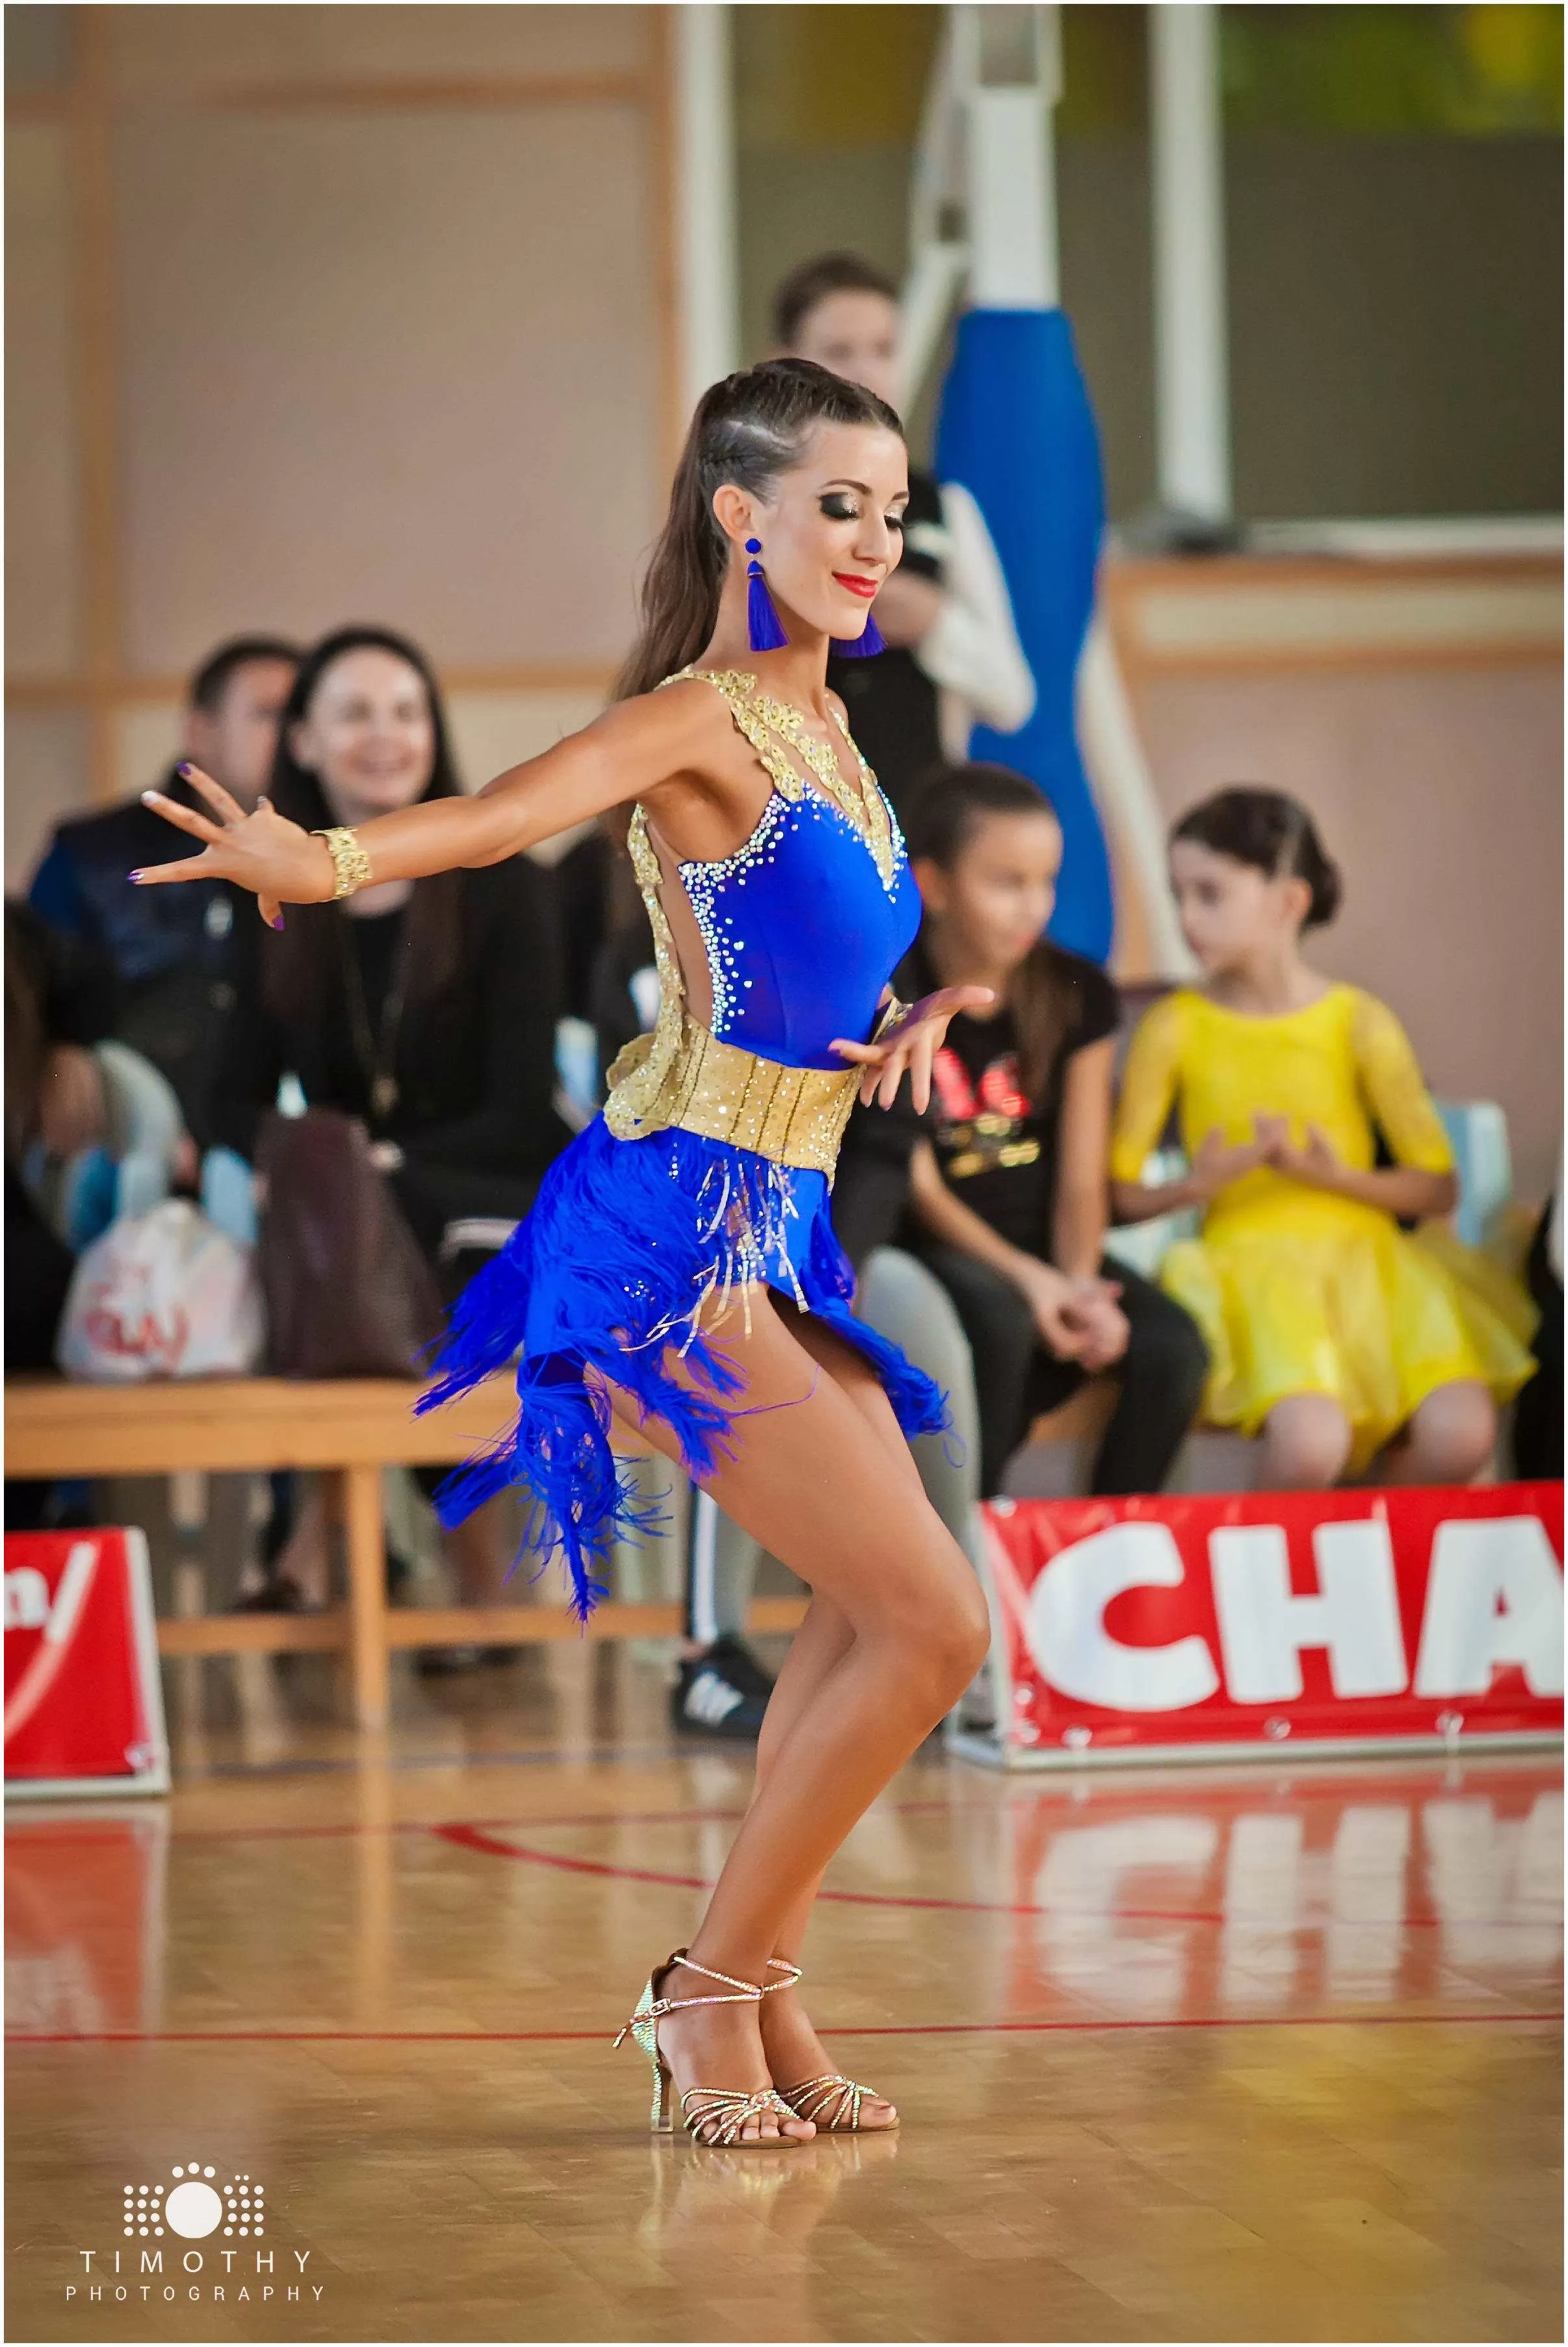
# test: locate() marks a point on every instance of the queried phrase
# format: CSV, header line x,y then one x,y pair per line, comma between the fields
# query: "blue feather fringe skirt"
x,y
631,1253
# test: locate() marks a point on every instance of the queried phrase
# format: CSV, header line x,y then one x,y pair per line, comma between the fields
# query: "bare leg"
x,y
476,1550
306,1558
793,2049
1449,1439
1306,1443
810,1479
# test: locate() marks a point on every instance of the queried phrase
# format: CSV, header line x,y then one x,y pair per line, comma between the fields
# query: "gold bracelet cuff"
x,y
350,865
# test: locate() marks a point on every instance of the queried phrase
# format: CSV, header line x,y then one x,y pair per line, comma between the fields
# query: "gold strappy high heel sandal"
x,y
710,2114
832,2103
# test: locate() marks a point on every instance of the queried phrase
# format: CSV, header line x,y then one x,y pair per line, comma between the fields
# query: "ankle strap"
x,y
747,1992
749,1988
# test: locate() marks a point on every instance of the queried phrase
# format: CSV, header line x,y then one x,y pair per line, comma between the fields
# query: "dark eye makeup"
x,y
839,507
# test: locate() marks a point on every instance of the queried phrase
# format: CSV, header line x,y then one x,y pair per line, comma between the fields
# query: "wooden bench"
x,y
349,1428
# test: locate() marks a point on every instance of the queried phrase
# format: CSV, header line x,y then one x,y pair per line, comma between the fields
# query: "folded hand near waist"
x,y
909,1043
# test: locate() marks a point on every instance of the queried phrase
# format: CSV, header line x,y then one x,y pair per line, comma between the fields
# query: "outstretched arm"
x,y
624,754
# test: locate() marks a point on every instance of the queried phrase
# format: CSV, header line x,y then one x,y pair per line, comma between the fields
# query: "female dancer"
x,y
678,1272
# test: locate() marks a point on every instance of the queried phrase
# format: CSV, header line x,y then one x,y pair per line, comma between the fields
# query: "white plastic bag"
x,y
162,1294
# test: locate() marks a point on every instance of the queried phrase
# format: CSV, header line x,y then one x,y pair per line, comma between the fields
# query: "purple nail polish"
x,y
278,923
136,875
183,767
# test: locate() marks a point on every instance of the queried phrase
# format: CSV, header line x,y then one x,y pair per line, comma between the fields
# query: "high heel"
x,y
832,2102
710,2114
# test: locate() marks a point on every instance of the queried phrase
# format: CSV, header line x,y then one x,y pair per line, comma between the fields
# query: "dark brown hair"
x,y
212,679
1273,834
747,431
303,964
953,803
811,281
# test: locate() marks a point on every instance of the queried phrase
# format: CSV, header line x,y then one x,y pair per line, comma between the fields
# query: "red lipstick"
x,y
856,585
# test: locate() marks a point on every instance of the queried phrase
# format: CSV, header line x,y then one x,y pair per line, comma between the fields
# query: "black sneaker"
x,y
730,1655
707,1701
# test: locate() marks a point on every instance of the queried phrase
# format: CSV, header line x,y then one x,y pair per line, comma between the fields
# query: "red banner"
x,y
83,1709
1263,1619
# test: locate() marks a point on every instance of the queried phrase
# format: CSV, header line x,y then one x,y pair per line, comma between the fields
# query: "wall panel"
x,y
43,520
419,383
46,780
164,52
320,312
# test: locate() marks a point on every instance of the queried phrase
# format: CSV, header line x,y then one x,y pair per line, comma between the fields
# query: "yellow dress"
x,y
1296,1290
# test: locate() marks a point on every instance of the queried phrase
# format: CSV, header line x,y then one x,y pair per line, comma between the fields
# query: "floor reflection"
x,y
1290,1893
1179,2053
715,2220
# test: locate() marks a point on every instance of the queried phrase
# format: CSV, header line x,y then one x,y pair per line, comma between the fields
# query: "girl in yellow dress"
x,y
1332,1334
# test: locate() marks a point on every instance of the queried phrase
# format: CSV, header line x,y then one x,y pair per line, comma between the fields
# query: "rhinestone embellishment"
x,y
774,728
705,885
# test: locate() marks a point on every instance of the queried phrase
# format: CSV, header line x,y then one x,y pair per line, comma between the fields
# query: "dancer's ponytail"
x,y
747,430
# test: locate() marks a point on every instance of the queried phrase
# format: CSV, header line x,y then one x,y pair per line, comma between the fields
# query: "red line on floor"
x,y
883,2029
473,1838
61,1830
472,1833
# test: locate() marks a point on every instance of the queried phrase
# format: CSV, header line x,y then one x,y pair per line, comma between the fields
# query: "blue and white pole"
x,y
1016,429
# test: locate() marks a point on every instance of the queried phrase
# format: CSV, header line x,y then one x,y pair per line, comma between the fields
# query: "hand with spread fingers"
x,y
910,1044
278,860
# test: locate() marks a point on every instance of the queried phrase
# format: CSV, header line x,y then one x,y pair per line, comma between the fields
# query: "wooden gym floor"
x,y
1200,2055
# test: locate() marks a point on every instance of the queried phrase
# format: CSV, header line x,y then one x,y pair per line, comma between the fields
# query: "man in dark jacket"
x,y
169,950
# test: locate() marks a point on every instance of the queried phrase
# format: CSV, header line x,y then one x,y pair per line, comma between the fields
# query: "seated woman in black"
x,y
1010,1189
426,1008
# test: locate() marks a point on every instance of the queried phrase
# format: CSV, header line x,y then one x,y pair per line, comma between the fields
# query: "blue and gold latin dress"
x,y
708,1171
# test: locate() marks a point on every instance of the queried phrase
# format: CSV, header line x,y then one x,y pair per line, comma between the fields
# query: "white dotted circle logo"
x,y
193,2209
195,2205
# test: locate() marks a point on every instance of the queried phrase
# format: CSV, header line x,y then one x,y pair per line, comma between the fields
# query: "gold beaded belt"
x,y
795,1116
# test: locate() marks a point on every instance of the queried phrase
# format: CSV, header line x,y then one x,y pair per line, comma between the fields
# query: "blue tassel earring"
x,y
762,620
864,646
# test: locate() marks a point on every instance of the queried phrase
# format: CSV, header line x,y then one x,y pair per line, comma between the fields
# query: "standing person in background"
x,y
426,1008
1335,1335
1010,1185
172,952
953,656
